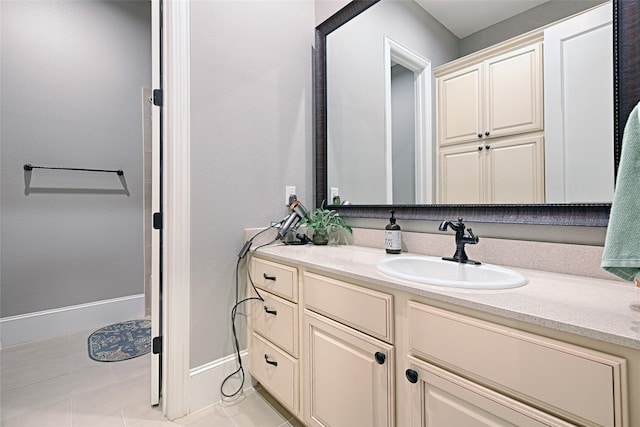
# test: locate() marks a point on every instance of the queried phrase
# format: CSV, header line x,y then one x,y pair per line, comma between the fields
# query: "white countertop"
x,y
604,310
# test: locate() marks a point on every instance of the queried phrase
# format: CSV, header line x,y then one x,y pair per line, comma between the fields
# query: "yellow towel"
x,y
622,245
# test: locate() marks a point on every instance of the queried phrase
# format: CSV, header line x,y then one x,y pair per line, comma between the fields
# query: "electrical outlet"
x,y
290,191
334,193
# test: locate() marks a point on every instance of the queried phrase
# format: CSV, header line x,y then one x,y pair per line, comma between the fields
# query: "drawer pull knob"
x,y
412,376
270,362
267,277
380,357
274,312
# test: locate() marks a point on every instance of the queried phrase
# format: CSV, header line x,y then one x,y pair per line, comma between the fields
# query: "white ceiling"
x,y
465,17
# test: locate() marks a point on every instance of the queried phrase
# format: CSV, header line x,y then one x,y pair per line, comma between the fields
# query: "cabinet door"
x,y
348,376
515,170
496,171
461,174
513,92
460,106
440,399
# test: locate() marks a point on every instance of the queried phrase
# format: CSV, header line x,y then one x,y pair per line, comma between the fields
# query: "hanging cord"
x,y
234,310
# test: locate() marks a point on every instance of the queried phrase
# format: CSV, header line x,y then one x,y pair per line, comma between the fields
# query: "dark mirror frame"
x,y
626,58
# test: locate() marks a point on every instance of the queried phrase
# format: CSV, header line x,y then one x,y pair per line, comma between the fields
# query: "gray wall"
x,y
251,100
325,8
356,100
537,17
251,106
72,74
403,135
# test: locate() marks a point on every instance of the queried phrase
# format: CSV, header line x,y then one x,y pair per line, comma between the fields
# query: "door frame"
x,y
156,205
394,52
176,194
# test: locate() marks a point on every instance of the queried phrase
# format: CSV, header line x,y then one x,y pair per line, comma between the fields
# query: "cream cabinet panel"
x,y
515,170
348,378
498,96
505,170
579,384
440,398
337,299
513,95
277,372
276,278
277,320
460,105
461,175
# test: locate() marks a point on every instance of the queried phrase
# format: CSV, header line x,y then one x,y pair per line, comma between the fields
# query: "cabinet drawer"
x,y
364,309
278,279
277,320
276,371
576,383
440,398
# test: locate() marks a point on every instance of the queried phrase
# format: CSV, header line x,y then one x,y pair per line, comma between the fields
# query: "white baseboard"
x,y
205,381
67,320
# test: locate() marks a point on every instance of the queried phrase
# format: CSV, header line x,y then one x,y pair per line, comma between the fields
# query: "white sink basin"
x,y
436,271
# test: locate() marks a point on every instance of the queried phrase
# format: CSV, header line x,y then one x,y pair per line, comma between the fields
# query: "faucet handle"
x,y
473,237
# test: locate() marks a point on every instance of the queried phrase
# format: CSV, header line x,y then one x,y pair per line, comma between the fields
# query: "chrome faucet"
x,y
461,240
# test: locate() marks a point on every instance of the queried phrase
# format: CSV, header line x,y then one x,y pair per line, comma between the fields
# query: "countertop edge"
x,y
594,328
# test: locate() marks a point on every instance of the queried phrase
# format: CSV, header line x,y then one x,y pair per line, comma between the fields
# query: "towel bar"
x,y
29,167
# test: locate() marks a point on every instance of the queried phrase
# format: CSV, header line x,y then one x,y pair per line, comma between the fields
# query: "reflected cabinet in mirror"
x,y
515,117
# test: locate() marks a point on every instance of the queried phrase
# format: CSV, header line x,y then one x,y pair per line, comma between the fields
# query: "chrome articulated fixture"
x,y
461,240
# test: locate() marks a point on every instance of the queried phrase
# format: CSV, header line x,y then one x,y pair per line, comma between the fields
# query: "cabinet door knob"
x,y
267,277
487,146
274,312
380,357
270,362
487,133
480,147
412,376
479,135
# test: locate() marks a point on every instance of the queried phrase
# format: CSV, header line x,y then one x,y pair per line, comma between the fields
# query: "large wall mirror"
x,y
366,50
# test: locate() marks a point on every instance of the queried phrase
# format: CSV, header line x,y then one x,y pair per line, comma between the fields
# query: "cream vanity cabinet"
x,y
345,368
466,371
348,373
496,96
349,353
274,332
486,102
505,170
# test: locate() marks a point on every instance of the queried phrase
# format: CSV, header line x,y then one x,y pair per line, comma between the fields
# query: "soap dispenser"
x,y
392,236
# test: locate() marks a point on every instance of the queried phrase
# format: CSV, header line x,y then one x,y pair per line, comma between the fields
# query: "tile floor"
x,y
54,383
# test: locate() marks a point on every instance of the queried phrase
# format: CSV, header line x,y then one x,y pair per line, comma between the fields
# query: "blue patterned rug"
x,y
120,341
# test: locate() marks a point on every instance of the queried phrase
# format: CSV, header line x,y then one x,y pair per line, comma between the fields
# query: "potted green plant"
x,y
323,222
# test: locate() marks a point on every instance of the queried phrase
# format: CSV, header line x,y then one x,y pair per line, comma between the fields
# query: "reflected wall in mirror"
x,y
626,54
411,122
